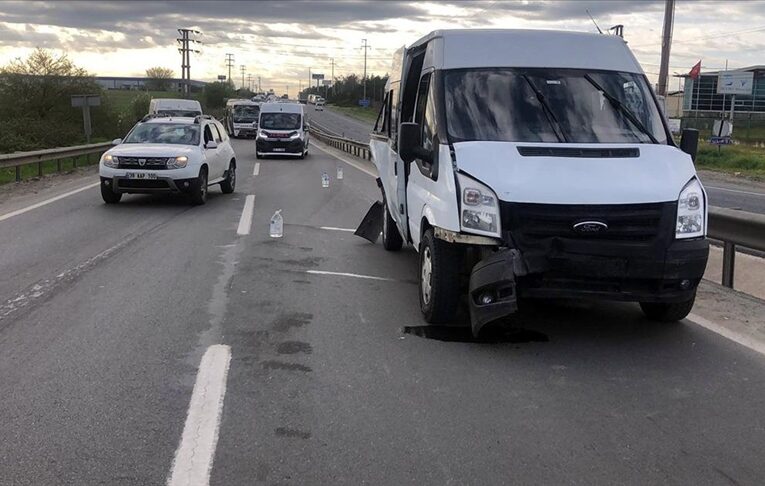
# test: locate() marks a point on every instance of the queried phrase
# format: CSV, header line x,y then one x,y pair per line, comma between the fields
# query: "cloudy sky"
x,y
279,41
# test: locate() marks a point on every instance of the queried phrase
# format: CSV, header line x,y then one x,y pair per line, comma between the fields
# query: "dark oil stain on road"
x,y
285,322
294,347
496,335
303,262
287,432
280,365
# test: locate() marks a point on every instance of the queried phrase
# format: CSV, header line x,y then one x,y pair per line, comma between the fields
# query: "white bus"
x,y
241,118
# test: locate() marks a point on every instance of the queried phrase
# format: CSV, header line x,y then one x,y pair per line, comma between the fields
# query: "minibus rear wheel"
x,y
667,312
439,280
392,240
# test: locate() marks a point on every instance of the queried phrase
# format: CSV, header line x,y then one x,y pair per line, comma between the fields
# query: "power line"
x,y
366,47
230,64
244,70
186,51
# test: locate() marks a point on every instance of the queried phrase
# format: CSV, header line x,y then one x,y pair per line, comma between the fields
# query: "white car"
x,y
169,155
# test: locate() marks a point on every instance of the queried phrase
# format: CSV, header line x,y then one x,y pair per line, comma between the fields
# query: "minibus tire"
x,y
199,189
444,279
391,238
667,312
109,196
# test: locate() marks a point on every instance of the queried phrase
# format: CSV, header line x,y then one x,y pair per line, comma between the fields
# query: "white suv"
x,y
172,155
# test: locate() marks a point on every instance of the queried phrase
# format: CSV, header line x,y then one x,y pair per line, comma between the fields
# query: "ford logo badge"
x,y
590,227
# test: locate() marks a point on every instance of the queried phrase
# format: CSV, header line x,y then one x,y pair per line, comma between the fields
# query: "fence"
x,y
358,149
19,159
734,228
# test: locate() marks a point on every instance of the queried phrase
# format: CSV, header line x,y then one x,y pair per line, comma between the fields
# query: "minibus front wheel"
x,y
439,281
667,311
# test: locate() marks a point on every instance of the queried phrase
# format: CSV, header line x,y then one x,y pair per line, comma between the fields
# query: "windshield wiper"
x,y
554,123
621,108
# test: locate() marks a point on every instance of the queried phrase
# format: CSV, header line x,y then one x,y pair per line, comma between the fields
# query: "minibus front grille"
x,y
591,153
530,223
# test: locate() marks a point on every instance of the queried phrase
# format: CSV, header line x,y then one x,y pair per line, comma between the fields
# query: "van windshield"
x,y
280,121
246,113
179,113
551,105
173,133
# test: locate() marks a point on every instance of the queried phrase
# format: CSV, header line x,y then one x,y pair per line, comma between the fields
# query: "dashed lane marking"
x,y
256,169
194,457
332,228
352,275
245,221
47,201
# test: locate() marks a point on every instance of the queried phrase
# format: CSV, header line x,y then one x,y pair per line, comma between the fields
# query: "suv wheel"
x,y
667,312
110,197
229,183
199,191
439,279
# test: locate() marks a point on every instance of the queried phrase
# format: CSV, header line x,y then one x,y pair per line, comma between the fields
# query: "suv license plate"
x,y
141,175
279,149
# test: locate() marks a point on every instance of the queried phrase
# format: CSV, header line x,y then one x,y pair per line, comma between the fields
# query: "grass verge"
x,y
49,167
368,115
732,159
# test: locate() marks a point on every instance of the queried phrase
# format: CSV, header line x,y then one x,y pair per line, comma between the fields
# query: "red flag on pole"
x,y
695,71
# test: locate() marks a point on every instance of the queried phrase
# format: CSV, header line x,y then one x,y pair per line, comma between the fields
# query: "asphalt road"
x,y
721,193
108,310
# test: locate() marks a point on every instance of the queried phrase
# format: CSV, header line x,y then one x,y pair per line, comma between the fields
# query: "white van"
x,y
282,130
175,107
540,167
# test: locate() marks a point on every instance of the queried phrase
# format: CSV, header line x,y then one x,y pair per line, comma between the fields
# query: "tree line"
x,y
348,90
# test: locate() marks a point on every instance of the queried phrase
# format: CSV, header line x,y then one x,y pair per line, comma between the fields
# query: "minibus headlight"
x,y
177,162
479,209
262,135
110,161
691,211
294,135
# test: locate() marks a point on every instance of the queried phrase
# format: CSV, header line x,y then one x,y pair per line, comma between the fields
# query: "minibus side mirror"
x,y
409,144
689,142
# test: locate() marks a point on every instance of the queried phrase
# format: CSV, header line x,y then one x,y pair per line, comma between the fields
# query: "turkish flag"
x,y
695,71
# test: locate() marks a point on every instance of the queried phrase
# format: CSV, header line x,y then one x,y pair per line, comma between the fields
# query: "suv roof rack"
x,y
154,115
202,117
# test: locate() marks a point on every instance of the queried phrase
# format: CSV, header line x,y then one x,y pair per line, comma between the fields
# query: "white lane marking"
x,y
737,191
256,169
193,459
735,336
245,221
47,201
332,228
353,275
346,160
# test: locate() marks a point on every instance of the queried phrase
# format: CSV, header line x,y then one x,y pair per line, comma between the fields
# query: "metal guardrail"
x,y
20,159
358,149
735,228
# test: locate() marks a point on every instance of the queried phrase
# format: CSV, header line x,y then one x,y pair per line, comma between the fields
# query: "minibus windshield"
x,y
280,121
246,113
551,105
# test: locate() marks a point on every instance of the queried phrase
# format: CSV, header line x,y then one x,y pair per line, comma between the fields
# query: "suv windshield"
x,y
246,113
172,133
550,105
280,121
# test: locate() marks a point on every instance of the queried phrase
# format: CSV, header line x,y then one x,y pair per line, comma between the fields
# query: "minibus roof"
x,y
484,48
281,107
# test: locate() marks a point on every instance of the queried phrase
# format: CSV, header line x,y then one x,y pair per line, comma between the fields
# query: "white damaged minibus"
x,y
535,164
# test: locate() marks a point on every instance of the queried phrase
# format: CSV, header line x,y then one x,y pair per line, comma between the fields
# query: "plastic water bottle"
x,y
277,225
325,180
339,173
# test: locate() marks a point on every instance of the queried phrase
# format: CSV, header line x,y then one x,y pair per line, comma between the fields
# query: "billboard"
x,y
326,82
735,82
317,76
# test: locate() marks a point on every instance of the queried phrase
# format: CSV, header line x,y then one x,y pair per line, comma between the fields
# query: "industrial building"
x,y
123,82
702,100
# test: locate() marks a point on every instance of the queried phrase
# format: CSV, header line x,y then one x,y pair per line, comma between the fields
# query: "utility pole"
x,y
259,89
243,68
230,64
366,47
249,82
309,78
332,61
185,41
666,42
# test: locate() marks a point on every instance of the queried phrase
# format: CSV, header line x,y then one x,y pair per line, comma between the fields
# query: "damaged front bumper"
x,y
616,272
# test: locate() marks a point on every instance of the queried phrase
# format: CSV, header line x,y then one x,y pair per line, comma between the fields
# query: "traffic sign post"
x,y
364,103
85,102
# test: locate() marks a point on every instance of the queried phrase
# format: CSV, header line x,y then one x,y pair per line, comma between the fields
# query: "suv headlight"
x,y
110,161
479,211
177,162
691,211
